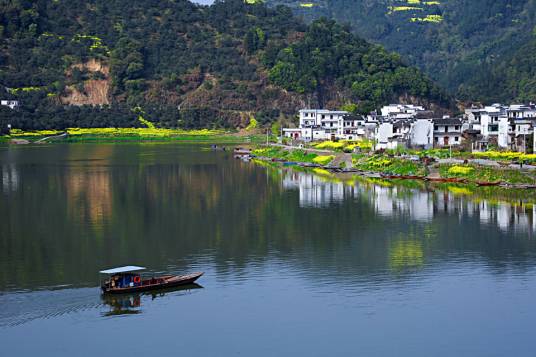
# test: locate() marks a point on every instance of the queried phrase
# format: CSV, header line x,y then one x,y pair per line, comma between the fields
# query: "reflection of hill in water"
x,y
176,208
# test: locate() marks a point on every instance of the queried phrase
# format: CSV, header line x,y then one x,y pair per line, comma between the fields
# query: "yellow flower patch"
x,y
323,160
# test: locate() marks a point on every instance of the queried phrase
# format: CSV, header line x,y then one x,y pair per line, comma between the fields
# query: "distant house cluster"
x,y
401,125
12,104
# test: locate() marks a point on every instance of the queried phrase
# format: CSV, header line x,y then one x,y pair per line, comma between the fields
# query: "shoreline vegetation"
x,y
493,170
72,135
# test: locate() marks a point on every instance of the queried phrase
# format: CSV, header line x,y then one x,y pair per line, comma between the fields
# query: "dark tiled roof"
x,y
428,114
447,121
352,117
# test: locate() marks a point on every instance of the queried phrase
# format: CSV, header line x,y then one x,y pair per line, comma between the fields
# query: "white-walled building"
x,y
447,132
509,127
12,104
322,124
422,134
401,111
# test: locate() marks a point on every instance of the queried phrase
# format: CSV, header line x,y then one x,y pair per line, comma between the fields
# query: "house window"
x,y
436,128
331,116
323,116
457,127
456,139
436,139
306,115
446,129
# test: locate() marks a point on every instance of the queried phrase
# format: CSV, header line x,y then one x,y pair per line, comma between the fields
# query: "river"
x,y
295,264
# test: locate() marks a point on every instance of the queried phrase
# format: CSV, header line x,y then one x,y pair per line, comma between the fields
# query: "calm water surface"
x,y
295,265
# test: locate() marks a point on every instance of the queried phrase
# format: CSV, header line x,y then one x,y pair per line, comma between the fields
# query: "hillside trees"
x,y
217,61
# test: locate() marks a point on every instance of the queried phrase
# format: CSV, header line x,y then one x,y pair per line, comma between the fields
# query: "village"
x,y
396,126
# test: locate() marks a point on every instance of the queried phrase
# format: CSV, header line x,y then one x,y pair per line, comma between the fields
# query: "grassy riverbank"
x,y
134,134
297,155
479,173
426,164
389,165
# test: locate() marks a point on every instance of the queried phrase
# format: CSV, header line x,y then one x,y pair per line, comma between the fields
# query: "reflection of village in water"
x,y
419,204
131,304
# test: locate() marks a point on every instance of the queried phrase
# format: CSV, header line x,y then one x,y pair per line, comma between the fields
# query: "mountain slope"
x,y
187,65
456,42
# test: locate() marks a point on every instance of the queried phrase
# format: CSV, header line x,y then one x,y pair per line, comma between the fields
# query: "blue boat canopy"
x,y
125,269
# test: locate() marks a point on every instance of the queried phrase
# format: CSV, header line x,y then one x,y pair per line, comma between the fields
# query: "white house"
x,y
447,132
489,120
390,135
422,134
12,104
322,124
504,131
521,111
400,111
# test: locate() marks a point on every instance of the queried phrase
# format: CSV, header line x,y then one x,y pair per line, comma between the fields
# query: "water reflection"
x,y
10,178
178,209
277,246
420,204
131,304
315,191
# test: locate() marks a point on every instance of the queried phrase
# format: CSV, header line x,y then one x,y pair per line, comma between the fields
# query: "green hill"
x,y
96,63
459,43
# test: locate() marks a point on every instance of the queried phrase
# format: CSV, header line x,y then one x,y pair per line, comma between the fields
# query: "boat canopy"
x,y
125,269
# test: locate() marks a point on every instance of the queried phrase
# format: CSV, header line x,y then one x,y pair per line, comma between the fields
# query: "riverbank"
x,y
73,135
403,166
494,195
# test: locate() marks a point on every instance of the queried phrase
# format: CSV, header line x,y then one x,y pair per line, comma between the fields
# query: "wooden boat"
x,y
402,177
126,280
242,151
480,183
445,180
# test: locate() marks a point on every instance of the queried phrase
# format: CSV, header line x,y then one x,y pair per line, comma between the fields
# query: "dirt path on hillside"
x,y
342,158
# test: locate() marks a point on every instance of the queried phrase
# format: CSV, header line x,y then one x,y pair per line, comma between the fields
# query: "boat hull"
x,y
164,282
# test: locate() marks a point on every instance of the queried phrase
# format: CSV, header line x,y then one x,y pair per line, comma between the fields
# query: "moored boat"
x,y
483,183
127,280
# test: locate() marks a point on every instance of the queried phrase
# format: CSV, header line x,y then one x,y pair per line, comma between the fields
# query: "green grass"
x,y
288,155
487,174
389,165
216,138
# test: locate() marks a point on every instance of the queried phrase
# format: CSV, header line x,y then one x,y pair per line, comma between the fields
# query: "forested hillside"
x,y
98,63
465,45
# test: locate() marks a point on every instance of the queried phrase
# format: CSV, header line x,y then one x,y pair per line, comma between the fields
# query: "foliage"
x,y
321,172
460,170
211,62
479,50
506,155
334,145
159,55
363,145
323,160
287,155
344,145
329,54
391,165
252,124
140,132
485,174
